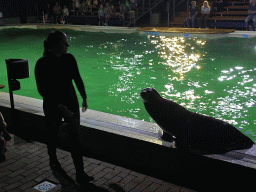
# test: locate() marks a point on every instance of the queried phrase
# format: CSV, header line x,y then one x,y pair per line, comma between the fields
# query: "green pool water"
x,y
213,77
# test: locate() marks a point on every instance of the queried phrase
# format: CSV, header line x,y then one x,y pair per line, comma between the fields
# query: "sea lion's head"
x,y
149,94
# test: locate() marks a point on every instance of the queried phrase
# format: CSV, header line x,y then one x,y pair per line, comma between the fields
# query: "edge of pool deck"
x,y
128,129
129,30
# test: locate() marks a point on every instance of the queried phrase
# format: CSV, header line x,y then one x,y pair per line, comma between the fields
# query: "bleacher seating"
x,y
231,16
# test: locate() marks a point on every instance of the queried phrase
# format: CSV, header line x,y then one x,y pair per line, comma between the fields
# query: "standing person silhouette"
x,y
54,73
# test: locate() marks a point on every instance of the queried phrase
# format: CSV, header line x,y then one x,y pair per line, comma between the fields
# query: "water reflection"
x,y
179,54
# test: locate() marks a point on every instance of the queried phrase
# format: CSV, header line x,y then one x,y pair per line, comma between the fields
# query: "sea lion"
x,y
193,130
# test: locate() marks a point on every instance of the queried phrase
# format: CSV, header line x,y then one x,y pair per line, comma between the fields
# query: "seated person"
x,y
64,15
205,11
101,15
47,12
193,11
107,13
113,12
83,8
251,15
76,6
57,13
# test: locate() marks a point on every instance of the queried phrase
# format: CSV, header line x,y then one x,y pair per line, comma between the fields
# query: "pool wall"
x,y
129,143
128,30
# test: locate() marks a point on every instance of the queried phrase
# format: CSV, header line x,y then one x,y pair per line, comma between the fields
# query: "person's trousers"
x,y
248,18
203,20
54,120
193,19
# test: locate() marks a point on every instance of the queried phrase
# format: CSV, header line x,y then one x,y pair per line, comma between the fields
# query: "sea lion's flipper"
x,y
165,136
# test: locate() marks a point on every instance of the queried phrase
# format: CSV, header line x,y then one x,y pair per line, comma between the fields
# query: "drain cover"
x,y
45,186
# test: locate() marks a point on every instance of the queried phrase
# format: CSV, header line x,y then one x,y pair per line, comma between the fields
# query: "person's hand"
x,y
65,111
85,106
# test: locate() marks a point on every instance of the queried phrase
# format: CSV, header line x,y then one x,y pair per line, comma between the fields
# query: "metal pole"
x,y
43,19
173,9
168,19
150,18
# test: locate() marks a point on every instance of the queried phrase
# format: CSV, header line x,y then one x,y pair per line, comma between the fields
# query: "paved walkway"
x,y
27,165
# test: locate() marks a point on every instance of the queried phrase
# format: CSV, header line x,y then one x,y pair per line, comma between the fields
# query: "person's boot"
x,y
54,163
81,177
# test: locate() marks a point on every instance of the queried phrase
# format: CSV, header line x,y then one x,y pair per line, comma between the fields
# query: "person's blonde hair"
x,y
193,2
207,3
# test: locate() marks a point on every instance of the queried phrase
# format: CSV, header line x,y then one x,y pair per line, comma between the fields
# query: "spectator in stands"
x,y
251,15
64,15
113,12
205,11
107,13
76,5
57,13
193,11
101,15
95,3
122,6
47,12
83,8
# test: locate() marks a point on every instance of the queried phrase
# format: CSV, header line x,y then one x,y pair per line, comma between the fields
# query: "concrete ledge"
x,y
88,28
132,144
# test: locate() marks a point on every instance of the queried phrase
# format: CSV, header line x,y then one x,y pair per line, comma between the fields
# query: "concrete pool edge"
x,y
131,129
130,30
87,28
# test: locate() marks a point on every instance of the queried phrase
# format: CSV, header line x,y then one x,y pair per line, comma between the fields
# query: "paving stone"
x,y
95,161
129,186
155,180
184,189
123,169
4,173
99,175
108,165
27,185
12,186
139,179
14,179
144,184
100,182
97,169
123,174
153,187
164,187
2,185
90,167
111,174
18,164
115,179
127,179
137,174
29,178
107,170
